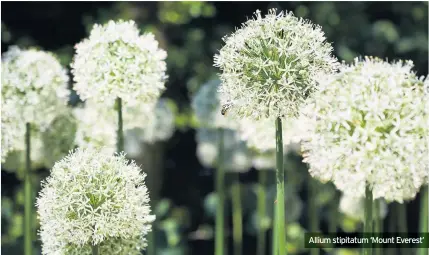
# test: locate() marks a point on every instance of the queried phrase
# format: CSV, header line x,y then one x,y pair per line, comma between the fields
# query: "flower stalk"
x,y
377,225
402,217
424,217
95,249
281,226
28,212
368,218
237,216
220,189
261,239
313,218
120,131
274,239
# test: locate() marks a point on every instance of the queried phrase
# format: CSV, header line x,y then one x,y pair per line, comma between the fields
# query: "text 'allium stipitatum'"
x,y
271,65
367,127
116,61
93,197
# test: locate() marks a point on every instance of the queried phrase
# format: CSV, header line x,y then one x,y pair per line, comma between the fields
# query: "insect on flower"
x,y
225,108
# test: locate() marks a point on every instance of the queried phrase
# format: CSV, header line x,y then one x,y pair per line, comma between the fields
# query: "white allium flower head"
x,y
116,61
271,65
161,124
94,197
34,83
367,127
208,109
237,157
354,207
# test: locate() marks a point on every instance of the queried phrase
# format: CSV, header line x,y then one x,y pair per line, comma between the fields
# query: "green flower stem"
x,y
368,218
333,214
151,242
424,223
281,225
313,218
274,239
237,216
220,189
28,196
120,131
261,198
377,224
95,249
402,217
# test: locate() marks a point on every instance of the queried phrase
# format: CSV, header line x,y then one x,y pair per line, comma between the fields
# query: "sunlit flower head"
x,y
34,83
368,126
354,207
117,61
208,109
94,197
271,65
236,156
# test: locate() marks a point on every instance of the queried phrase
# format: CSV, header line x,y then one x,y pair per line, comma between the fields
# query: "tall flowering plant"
x,y
269,67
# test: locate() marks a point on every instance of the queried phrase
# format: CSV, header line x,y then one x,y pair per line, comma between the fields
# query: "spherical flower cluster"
x,y
236,156
94,198
161,124
208,110
116,61
354,207
368,126
34,83
271,65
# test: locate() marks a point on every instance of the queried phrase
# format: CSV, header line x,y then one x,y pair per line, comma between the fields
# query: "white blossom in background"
x,y
161,124
33,83
117,61
354,207
367,126
12,130
265,160
260,135
237,157
94,197
59,138
207,107
271,65
96,126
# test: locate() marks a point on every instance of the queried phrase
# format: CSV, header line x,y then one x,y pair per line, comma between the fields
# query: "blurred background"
x,y
192,32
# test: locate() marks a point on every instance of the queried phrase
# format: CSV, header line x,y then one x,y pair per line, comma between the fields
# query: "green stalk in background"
x,y
377,225
368,217
220,189
423,223
28,196
274,239
261,239
313,216
402,217
95,249
281,225
120,132
333,214
237,216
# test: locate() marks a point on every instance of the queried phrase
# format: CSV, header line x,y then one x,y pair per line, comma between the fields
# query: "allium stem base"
x,y
281,225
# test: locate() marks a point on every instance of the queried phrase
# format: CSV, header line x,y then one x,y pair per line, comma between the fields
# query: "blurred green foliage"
x,y
192,32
